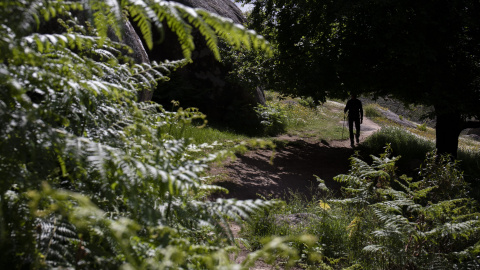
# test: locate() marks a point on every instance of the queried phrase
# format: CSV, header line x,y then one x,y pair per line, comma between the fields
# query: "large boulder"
x,y
139,55
204,84
224,8
473,131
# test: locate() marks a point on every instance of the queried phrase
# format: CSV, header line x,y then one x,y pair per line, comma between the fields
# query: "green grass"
x,y
209,135
407,144
301,118
329,223
372,110
304,120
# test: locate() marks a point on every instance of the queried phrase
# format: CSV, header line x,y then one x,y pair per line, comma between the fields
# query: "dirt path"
x,y
252,175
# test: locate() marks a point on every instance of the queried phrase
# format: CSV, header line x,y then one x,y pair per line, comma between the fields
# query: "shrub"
x,y
406,144
383,220
307,102
430,222
272,119
422,127
371,110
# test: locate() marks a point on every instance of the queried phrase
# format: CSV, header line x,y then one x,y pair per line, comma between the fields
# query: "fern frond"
x,y
374,248
383,161
49,42
347,178
199,23
170,12
57,240
455,229
147,75
212,188
52,9
106,14
144,15
239,209
235,34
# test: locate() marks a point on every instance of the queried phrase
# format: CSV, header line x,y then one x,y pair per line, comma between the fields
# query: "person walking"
x,y
355,115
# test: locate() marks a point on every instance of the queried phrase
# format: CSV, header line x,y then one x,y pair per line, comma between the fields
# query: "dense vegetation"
x,y
402,207
90,178
385,221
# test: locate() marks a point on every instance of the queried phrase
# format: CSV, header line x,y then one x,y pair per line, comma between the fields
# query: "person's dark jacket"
x,y
354,108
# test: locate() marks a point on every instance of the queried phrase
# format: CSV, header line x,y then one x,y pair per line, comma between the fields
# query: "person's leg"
x,y
350,128
357,129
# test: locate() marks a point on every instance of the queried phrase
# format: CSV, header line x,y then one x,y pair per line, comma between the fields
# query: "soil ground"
x,y
265,174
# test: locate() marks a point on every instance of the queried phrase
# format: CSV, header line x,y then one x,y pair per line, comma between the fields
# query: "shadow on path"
x,y
253,176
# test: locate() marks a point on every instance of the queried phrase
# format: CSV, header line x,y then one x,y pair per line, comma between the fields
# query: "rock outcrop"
x,y
224,8
204,84
139,55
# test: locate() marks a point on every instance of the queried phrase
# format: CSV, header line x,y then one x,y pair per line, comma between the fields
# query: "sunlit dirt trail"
x,y
294,167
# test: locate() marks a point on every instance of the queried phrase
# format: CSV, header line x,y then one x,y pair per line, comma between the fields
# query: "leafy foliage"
x,y
251,69
91,178
272,119
428,222
419,53
383,220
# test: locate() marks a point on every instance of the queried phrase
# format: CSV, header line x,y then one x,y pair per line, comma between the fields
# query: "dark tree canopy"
x,y
420,52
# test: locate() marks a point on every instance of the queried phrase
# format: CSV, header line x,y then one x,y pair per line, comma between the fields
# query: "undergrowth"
x,y
91,178
384,220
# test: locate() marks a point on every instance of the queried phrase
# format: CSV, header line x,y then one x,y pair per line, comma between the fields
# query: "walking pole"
x,y
343,124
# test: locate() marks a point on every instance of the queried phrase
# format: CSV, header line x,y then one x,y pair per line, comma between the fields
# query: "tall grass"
x,y
206,134
371,110
330,224
404,143
305,119
413,147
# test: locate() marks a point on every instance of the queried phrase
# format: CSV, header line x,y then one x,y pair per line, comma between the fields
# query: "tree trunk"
x,y
449,126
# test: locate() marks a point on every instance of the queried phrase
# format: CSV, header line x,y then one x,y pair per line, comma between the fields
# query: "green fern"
x,y
90,177
421,224
58,241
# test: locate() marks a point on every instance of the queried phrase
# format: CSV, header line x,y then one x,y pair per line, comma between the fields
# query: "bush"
x,y
307,102
371,110
272,119
422,127
409,146
430,222
413,148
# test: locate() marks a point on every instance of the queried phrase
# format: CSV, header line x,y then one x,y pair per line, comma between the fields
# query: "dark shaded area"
x,y
203,84
252,175
129,38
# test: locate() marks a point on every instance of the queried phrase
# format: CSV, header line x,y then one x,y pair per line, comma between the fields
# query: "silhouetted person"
x,y
355,114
